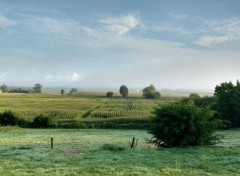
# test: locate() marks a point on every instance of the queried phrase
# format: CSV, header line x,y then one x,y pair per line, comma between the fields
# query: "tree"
x,y
206,101
184,124
109,94
194,96
30,91
62,91
150,93
73,91
123,91
228,102
37,88
4,88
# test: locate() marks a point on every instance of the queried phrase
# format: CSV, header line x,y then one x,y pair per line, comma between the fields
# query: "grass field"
x,y
90,108
82,152
30,105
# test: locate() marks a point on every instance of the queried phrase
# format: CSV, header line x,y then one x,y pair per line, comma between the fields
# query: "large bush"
x,y
42,121
8,118
109,94
184,124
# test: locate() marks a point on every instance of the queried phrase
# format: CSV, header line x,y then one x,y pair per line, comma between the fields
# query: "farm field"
x,y
85,107
89,152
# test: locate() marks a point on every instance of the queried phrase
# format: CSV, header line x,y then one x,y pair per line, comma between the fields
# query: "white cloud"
x,y
121,25
74,77
49,77
108,26
229,26
171,28
223,31
5,22
49,25
212,40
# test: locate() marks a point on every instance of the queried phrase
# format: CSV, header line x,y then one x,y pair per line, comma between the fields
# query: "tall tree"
x,y
228,102
62,91
37,88
73,91
123,91
4,88
150,92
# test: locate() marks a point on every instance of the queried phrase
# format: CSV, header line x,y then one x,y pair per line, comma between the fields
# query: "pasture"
x,y
85,152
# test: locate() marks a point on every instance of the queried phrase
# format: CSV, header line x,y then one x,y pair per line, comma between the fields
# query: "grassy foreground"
x,y
81,152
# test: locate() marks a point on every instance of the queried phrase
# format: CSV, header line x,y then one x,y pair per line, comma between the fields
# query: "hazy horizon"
x,y
177,45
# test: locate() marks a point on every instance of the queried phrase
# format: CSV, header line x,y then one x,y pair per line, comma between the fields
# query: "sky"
x,y
184,44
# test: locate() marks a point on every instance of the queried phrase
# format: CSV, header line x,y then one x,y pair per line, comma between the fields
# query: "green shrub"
x,y
8,118
109,94
42,121
184,124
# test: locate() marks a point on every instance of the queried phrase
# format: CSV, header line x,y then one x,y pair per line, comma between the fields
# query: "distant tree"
x,y
62,91
37,88
157,95
4,88
194,96
13,91
109,94
73,91
228,102
123,91
150,93
29,91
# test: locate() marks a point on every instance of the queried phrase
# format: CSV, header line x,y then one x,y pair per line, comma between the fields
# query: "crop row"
x,y
122,113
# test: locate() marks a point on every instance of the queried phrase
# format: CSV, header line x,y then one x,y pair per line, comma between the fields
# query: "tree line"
x,y
36,89
148,92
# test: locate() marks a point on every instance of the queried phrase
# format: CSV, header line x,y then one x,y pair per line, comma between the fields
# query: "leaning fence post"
x,y
134,143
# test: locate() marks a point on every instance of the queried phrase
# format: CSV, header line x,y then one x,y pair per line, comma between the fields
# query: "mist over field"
x,y
103,44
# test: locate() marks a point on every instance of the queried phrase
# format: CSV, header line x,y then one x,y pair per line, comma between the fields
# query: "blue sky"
x,y
104,44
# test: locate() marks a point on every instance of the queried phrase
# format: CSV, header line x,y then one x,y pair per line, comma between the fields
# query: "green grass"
x,y
84,110
107,152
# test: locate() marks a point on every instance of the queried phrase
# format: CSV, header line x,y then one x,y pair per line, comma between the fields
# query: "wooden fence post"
x,y
134,142
51,142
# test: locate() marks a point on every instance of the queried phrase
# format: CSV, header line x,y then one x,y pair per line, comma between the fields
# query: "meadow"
x,y
84,110
107,152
